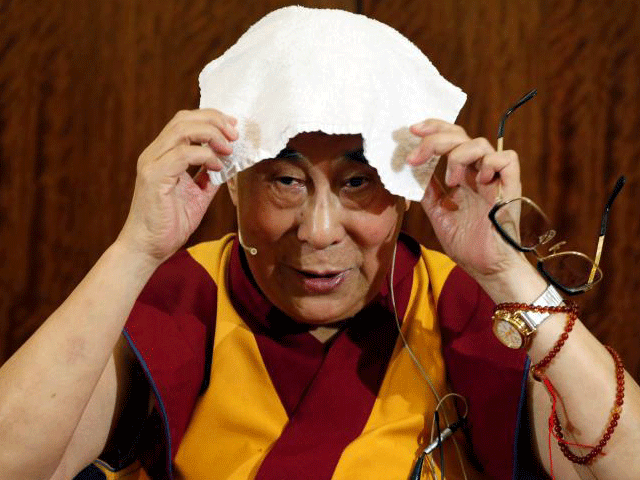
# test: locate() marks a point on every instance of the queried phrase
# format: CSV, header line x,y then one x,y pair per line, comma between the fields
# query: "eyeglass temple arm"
x,y
525,98
603,224
500,142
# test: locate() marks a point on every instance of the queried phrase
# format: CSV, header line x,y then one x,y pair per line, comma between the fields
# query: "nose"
x,y
321,220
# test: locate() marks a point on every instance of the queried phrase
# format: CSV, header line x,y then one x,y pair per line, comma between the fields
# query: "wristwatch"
x,y
516,329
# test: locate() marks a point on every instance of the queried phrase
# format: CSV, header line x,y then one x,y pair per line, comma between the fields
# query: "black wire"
x,y
436,419
416,474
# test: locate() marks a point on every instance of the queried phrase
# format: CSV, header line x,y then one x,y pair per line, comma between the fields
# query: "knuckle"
x,y
483,143
512,155
179,129
454,158
144,169
214,163
211,111
458,128
215,116
214,133
181,151
182,115
427,143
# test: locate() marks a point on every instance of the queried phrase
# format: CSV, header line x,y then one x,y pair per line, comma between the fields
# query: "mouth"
x,y
325,274
321,281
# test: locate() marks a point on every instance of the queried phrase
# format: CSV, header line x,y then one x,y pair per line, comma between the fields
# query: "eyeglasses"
x,y
524,226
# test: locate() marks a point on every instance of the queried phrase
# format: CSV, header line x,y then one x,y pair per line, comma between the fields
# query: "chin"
x,y
318,311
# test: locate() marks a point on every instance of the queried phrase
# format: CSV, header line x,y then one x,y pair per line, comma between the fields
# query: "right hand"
x,y
168,204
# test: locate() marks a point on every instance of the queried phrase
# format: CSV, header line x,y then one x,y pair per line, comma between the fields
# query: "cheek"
x,y
376,235
377,230
259,219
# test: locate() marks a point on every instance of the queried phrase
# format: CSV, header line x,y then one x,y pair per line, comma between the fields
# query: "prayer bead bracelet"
x,y
613,419
537,372
572,311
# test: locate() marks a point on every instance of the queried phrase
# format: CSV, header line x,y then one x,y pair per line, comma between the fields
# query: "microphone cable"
x,y
452,426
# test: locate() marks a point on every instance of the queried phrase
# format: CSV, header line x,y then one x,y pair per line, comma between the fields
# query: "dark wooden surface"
x,y
85,86
574,139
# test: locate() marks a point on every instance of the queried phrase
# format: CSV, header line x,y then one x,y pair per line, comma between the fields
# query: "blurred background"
x,y
86,85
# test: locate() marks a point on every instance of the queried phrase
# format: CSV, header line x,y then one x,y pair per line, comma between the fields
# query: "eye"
x,y
288,181
356,181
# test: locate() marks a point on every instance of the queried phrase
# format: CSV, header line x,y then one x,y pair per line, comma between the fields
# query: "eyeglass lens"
x,y
570,269
531,230
534,234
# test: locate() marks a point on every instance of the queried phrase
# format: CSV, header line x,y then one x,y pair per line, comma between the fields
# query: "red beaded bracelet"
x,y
571,310
613,419
537,372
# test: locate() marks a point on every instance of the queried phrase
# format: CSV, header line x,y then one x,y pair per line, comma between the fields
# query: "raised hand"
x,y
168,204
476,172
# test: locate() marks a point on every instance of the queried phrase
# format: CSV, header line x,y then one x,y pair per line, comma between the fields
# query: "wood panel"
x,y
85,86
574,138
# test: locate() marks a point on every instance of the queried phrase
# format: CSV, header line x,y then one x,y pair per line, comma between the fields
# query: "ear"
x,y
407,204
232,185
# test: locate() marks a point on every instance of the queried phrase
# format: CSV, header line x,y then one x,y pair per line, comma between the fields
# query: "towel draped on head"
x,y
303,69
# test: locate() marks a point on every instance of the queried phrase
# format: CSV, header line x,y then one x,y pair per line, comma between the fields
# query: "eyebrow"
x,y
356,155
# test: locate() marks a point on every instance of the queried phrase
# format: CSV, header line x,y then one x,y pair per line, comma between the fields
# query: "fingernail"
x,y
222,144
421,127
412,156
233,131
426,128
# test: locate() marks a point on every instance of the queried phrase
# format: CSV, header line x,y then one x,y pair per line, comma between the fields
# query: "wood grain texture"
x,y
85,86
574,138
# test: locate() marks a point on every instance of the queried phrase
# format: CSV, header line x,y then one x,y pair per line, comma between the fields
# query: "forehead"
x,y
324,146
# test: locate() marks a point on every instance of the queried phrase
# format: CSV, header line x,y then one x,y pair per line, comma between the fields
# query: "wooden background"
x,y
85,86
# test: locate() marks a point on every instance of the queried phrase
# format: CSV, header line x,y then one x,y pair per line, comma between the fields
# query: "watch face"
x,y
507,334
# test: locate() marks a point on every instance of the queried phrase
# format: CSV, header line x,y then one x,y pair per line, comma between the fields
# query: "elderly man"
x,y
319,341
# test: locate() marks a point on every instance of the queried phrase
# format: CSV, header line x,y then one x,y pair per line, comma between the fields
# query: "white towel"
x,y
303,69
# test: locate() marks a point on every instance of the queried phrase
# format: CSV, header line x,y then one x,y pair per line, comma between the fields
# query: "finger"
x,y
228,125
192,132
436,196
506,170
497,173
210,115
203,180
495,163
177,160
213,111
433,125
465,155
437,144
200,195
180,128
437,204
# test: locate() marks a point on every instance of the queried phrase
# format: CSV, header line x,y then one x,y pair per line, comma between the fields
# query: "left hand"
x,y
460,219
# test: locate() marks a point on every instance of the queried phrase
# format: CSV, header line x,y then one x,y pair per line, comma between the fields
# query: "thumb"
x,y
203,180
436,201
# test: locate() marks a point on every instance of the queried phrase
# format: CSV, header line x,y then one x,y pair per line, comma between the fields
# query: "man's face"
x,y
323,225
